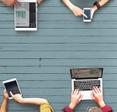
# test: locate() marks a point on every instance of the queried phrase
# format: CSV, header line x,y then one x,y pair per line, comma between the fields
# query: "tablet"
x,y
25,15
12,85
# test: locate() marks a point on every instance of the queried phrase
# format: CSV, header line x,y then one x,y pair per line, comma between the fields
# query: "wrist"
x,y
94,8
71,106
97,4
20,100
102,104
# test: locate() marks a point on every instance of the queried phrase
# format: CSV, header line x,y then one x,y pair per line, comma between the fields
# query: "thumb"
x,y
92,13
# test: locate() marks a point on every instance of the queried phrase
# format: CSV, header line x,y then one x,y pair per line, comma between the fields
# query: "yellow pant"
x,y
46,108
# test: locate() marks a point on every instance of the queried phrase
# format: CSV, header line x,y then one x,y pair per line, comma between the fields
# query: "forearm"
x,y
68,3
4,105
103,2
72,106
102,104
35,101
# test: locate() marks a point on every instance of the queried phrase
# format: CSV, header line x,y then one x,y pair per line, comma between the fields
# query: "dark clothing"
x,y
104,109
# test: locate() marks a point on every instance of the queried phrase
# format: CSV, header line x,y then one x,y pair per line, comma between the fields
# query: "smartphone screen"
x,y
88,13
13,87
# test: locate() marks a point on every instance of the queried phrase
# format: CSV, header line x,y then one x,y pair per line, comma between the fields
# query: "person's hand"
x,y
9,2
17,3
93,10
97,96
17,97
5,94
76,10
39,1
76,97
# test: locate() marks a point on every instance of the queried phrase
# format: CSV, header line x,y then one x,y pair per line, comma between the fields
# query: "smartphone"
x,y
12,85
87,12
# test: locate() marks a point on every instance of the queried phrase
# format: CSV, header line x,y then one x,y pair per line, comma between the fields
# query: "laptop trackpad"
x,y
86,95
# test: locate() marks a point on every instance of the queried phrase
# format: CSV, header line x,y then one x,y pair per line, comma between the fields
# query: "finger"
x,y
75,92
11,94
84,15
92,95
5,90
95,89
92,13
39,1
98,90
82,12
17,3
80,98
80,93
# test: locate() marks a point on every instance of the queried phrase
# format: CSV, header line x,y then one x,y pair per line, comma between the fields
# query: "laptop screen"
x,y
86,73
26,15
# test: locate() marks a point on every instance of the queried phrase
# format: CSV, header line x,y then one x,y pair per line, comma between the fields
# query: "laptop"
x,y
25,15
85,78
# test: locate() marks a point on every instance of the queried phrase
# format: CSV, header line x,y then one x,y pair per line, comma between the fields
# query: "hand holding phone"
x,y
84,15
92,13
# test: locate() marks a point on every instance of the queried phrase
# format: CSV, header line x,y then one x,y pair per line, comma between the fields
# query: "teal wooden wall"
x,y
41,60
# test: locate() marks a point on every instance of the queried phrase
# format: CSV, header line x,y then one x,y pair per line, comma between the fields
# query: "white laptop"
x,y
25,15
85,78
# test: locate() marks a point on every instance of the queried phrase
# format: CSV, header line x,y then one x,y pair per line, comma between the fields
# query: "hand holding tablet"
x,y
12,87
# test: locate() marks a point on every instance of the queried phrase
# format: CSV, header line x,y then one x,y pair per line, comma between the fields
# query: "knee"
x,y
45,101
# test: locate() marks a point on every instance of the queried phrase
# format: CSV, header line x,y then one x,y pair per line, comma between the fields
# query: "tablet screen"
x,y
13,87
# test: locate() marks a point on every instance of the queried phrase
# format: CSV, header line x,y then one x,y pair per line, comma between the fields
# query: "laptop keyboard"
x,y
86,85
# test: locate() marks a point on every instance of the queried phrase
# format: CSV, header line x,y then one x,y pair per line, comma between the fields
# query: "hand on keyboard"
x,y
76,97
97,96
